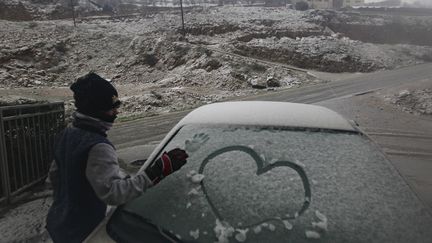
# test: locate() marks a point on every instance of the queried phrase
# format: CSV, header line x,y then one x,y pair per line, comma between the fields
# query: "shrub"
x,y
32,25
302,6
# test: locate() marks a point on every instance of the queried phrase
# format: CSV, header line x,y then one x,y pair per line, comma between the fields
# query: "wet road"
x,y
404,137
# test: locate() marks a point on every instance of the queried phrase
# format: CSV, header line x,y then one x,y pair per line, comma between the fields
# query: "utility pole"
x,y
183,25
73,11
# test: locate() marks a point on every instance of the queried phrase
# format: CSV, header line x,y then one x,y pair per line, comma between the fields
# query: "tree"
x,y
302,6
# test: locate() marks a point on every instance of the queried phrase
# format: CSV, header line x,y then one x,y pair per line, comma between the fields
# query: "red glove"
x,y
167,164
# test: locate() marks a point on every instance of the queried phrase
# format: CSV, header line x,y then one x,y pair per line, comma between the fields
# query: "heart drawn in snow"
x,y
261,169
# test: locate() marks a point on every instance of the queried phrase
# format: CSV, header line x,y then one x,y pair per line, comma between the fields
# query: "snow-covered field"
x,y
227,52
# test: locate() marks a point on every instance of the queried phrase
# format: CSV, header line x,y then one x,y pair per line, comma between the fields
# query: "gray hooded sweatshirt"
x,y
103,172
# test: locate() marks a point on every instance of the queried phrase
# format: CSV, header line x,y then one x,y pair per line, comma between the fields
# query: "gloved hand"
x,y
166,164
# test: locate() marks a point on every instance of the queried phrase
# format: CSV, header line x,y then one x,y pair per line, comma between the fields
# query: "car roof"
x,y
268,113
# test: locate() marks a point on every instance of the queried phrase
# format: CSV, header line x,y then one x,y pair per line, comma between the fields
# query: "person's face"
x,y
112,112
110,115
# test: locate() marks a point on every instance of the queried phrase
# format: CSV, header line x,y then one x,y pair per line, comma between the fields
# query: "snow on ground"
x,y
156,70
416,101
26,222
227,52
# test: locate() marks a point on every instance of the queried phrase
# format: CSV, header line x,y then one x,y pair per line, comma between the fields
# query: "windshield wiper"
x,y
128,227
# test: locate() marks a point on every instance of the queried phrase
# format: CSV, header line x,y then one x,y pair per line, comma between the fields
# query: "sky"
x,y
407,1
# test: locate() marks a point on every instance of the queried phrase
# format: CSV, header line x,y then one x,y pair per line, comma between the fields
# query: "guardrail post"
x,y
3,161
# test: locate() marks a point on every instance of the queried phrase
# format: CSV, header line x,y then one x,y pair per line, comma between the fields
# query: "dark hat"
x,y
94,94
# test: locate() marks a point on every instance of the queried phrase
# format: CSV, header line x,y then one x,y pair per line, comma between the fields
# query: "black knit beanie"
x,y
94,95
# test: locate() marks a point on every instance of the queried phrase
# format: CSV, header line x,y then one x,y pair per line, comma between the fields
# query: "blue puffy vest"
x,y
76,209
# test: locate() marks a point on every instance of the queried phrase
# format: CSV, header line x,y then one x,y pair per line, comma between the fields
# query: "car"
x,y
272,172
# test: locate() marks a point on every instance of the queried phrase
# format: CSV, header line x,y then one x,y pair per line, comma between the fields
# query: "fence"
x,y
26,139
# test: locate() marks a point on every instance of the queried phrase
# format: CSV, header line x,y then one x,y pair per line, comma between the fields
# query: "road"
x,y
150,129
406,138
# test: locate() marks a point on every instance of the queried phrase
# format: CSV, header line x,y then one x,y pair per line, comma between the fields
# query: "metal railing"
x,y
27,135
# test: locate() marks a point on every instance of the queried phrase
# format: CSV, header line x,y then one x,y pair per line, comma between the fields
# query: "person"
x,y
85,173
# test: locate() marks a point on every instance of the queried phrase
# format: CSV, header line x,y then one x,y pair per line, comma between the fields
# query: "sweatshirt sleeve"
x,y
103,173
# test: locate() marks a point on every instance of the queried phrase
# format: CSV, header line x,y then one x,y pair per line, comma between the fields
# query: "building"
x,y
386,3
352,3
320,4
328,4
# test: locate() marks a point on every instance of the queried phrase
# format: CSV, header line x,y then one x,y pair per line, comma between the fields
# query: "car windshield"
x,y
269,184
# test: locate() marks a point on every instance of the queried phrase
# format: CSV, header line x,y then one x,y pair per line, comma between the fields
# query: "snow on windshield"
x,y
227,193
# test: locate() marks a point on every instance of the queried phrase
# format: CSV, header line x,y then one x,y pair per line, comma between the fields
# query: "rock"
x,y
272,82
156,95
239,75
41,72
16,100
149,59
403,93
257,83
212,64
